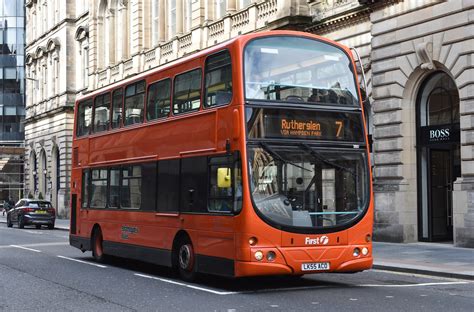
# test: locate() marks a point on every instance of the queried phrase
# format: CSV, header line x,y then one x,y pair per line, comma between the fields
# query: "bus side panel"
x,y
213,241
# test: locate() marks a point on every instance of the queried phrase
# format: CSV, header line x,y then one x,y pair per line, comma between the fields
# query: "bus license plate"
x,y
316,266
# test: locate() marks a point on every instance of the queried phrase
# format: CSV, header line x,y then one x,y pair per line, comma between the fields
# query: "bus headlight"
x,y
253,241
259,255
365,251
356,252
271,255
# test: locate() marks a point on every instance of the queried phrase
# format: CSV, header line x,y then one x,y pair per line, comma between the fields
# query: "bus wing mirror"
x,y
223,178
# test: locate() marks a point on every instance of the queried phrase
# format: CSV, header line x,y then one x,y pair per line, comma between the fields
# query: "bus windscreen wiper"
x,y
274,154
319,157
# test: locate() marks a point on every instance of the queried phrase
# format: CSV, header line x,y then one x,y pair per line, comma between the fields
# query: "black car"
x,y
32,212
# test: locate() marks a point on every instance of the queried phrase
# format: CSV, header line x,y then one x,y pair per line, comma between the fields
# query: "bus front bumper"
x,y
290,261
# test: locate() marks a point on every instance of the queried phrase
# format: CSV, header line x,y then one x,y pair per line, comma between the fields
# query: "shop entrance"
x,y
438,145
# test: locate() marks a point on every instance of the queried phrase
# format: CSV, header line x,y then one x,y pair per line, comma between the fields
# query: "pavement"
x,y
435,259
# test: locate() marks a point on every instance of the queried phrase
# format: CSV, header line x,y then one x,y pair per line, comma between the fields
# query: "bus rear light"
x,y
253,241
271,256
356,252
365,251
259,255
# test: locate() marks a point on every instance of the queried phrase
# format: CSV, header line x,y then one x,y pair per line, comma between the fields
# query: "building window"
x,y
85,67
171,18
155,22
158,105
187,15
244,3
221,8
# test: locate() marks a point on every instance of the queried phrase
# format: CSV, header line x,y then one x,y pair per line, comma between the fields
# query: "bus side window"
x,y
134,103
187,92
114,188
158,105
117,99
85,189
220,185
84,118
131,187
168,185
101,112
218,84
98,188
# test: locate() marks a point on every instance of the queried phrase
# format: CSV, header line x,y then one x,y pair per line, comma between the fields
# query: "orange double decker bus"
x,y
248,158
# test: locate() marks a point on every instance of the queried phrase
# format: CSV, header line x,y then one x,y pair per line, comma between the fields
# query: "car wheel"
x,y
9,222
51,226
21,222
186,260
38,226
97,249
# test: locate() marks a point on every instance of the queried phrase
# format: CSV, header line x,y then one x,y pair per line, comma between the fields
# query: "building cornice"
x,y
55,28
49,114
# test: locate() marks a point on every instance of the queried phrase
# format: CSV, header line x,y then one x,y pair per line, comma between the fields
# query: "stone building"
x,y
418,57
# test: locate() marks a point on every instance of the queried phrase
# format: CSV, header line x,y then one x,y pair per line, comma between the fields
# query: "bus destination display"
x,y
309,125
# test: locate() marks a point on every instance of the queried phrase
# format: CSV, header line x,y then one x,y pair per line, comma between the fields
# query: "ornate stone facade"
x,y
403,44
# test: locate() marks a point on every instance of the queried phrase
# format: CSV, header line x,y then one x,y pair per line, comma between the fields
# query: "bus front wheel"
x,y
186,261
97,249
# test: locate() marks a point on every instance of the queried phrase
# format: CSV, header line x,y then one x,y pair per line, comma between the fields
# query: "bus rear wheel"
x,y
97,249
186,261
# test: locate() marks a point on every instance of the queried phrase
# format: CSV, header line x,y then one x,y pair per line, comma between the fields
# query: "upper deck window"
x,y
158,105
101,112
299,70
84,118
187,92
218,79
117,101
134,103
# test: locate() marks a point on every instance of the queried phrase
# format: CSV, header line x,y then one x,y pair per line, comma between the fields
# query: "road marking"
x,y
45,244
444,278
25,248
85,262
222,293
414,285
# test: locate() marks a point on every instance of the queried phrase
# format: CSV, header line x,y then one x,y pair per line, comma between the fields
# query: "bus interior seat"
x,y
223,97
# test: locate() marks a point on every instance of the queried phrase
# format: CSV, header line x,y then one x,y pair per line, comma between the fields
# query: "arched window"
x,y
43,172
33,171
439,103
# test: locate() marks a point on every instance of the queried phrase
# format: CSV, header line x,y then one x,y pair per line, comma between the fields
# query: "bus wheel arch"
x,y
183,256
97,244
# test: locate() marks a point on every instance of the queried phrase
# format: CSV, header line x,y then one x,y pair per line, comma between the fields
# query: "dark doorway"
x,y
441,194
439,161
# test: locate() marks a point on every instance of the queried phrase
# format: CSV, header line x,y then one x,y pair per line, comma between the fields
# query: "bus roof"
x,y
209,50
